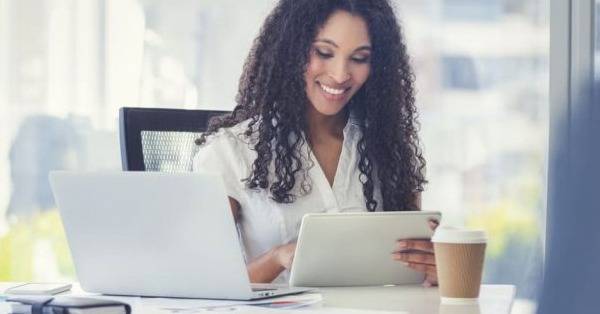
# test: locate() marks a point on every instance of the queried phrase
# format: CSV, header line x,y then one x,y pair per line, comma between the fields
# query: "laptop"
x,y
155,234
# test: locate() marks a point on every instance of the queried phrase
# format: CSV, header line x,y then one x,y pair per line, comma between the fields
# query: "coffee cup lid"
x,y
447,234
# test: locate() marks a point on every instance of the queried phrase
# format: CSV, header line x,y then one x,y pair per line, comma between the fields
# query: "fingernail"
x,y
405,264
401,244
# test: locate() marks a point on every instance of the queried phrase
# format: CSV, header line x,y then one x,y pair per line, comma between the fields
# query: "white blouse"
x,y
264,223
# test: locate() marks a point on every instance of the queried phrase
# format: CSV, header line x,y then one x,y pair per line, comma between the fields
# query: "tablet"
x,y
354,249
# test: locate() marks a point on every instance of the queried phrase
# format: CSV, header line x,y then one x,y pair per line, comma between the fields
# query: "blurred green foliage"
x,y
20,246
504,221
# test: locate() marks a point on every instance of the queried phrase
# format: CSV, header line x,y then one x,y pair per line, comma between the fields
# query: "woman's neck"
x,y
322,126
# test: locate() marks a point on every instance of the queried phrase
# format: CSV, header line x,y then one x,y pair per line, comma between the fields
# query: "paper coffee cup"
x,y
459,256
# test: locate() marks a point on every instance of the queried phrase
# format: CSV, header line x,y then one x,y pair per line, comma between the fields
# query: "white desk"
x,y
494,299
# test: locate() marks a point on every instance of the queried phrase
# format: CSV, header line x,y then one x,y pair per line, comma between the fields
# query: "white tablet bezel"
x,y
354,249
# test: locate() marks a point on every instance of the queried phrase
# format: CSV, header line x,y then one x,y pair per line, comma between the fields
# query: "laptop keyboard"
x,y
264,287
255,289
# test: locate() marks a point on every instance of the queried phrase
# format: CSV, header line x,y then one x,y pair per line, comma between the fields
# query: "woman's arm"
x,y
268,266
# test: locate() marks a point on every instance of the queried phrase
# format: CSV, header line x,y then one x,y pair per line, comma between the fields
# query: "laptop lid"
x,y
152,234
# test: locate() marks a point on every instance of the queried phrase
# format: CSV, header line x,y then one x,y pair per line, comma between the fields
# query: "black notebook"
x,y
66,305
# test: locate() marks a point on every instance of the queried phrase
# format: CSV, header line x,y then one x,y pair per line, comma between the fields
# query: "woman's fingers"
x,y
433,224
419,245
430,273
418,255
419,258
430,270
430,280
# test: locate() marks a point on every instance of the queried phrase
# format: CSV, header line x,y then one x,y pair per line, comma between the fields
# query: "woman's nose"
x,y
339,72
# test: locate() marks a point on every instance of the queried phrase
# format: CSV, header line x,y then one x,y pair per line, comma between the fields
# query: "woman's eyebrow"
x,y
331,42
365,47
327,41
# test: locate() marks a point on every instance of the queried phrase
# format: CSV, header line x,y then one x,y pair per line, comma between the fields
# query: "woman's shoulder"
x,y
236,135
227,145
227,152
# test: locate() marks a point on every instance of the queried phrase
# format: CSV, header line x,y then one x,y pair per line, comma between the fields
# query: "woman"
x,y
325,122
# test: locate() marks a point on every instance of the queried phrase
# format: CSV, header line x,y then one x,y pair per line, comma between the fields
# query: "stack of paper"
x,y
198,306
308,303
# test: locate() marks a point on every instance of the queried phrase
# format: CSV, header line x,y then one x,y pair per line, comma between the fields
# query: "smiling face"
x,y
339,63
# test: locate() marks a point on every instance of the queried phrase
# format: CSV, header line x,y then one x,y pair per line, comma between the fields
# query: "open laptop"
x,y
155,234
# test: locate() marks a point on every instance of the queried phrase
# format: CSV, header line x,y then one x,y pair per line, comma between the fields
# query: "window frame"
x,y
572,30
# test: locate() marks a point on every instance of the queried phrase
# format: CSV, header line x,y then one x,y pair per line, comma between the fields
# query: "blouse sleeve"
x,y
221,155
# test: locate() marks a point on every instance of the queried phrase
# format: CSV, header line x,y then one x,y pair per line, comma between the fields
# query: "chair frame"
x,y
134,120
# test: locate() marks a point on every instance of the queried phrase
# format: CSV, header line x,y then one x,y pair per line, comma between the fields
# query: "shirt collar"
x,y
353,122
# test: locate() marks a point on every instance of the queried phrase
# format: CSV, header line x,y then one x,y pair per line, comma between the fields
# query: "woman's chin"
x,y
329,110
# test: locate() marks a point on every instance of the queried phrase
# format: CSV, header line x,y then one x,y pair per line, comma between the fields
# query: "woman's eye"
x,y
365,59
323,55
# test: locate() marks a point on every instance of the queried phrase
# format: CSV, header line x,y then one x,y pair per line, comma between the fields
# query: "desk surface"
x,y
494,299
414,299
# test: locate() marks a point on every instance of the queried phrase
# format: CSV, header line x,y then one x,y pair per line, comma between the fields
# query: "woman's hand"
x,y
285,254
419,255
268,266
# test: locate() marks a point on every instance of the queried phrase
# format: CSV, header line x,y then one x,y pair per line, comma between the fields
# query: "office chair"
x,y
158,139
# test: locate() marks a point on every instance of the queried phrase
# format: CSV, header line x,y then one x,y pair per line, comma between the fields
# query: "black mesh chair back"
x,y
157,139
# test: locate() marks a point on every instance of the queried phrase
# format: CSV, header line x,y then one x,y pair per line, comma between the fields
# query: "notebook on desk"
x,y
66,304
154,234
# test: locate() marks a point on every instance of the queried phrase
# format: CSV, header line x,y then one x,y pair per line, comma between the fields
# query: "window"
x,y
470,10
597,43
66,66
482,89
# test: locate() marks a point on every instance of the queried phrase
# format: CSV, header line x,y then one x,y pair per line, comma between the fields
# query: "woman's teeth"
x,y
331,90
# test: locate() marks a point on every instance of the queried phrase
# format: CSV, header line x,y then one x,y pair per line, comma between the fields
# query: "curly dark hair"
x,y
272,97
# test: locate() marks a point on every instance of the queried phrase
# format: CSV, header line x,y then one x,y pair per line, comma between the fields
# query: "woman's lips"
x,y
331,93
